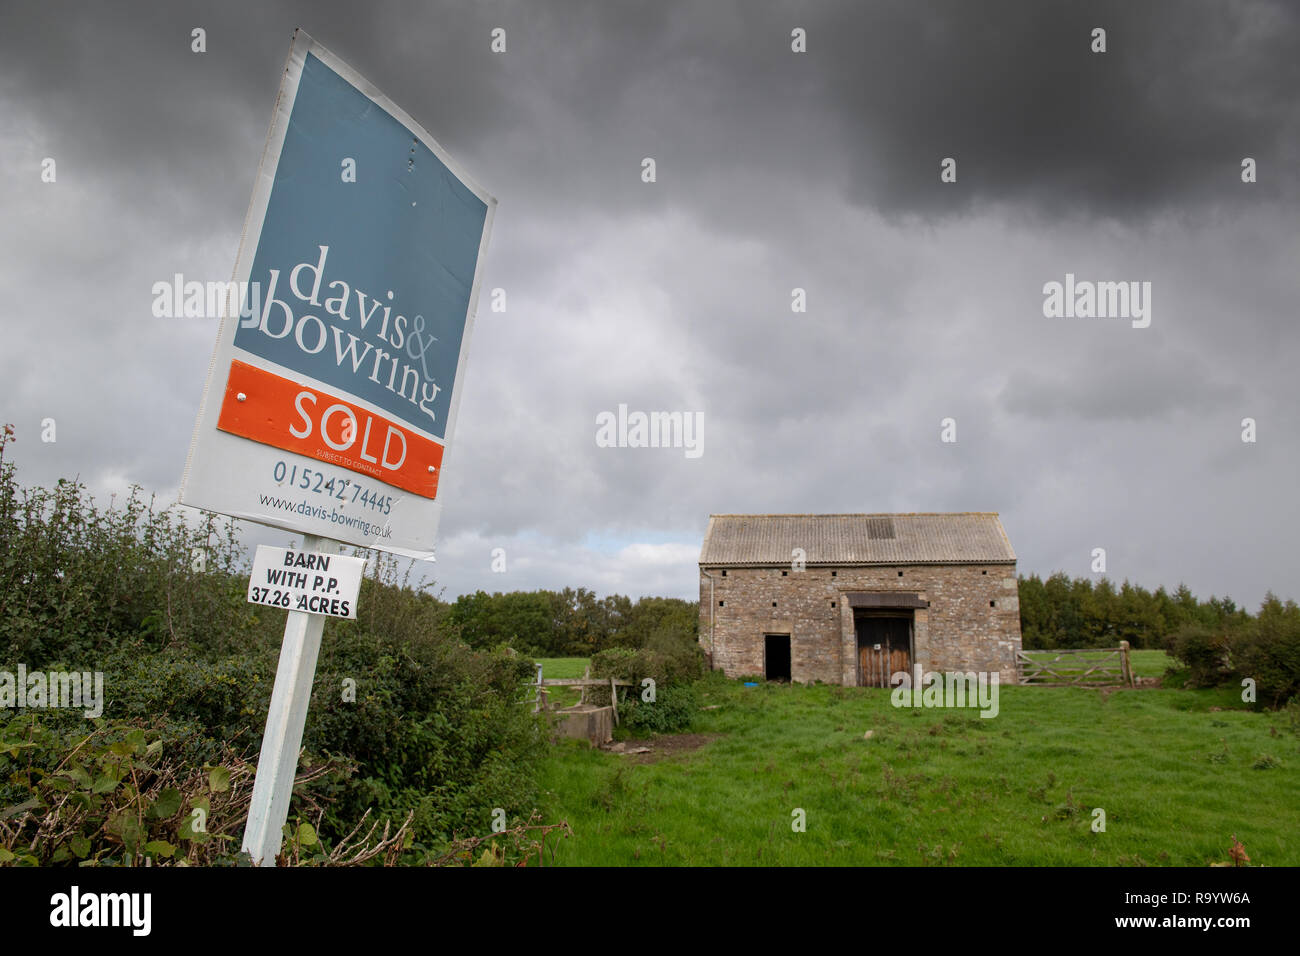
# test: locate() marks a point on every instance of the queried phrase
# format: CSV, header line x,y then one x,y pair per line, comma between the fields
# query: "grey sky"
x,y
775,170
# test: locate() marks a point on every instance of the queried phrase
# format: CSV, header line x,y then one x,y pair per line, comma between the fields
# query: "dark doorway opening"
x,y
776,656
884,645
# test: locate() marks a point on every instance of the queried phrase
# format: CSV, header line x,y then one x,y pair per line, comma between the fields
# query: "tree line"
x,y
572,622
1060,611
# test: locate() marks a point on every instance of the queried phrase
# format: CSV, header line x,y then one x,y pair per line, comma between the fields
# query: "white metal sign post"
x,y
323,584
332,396
278,763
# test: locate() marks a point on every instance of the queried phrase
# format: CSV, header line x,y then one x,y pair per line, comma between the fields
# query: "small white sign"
x,y
306,581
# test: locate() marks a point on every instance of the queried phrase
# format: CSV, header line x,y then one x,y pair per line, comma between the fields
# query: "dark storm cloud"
x,y
1011,90
1014,93
1160,122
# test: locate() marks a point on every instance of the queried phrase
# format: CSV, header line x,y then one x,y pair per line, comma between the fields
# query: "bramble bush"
x,y
436,728
120,794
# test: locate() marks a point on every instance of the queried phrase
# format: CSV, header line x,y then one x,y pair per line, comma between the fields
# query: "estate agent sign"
x,y
333,390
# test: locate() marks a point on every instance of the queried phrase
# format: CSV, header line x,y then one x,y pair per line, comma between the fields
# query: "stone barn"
x,y
853,599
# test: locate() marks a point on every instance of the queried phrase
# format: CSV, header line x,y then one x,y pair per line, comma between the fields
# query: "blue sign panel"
x,y
366,258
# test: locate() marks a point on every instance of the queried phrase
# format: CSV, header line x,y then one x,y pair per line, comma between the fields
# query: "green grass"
x,y
1150,663
934,786
560,668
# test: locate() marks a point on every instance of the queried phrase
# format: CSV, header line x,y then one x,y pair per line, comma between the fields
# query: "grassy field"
x,y
1175,778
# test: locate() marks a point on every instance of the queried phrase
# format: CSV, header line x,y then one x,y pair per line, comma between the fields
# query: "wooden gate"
x,y
1082,667
884,647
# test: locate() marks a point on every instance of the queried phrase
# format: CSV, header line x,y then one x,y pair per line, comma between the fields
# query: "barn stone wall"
x,y
972,623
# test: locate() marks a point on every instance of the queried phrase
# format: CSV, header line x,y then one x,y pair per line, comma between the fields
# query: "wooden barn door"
x,y
884,647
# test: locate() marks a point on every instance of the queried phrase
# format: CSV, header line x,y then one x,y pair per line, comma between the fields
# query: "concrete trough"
x,y
586,722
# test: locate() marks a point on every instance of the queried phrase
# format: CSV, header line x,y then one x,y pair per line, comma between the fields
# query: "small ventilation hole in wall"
x,y
900,574
993,603
721,603
724,572
982,572
832,603
773,604
832,574
785,574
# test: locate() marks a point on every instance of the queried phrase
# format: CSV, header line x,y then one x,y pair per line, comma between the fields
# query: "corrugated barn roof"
x,y
962,538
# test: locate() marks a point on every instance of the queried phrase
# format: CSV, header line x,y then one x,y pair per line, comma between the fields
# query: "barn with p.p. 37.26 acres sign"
x,y
854,599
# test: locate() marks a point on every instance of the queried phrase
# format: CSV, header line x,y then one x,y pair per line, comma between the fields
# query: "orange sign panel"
x,y
276,411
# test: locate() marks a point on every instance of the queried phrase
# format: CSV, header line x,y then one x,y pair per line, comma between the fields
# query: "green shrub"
x,y
1268,651
1265,649
672,664
1204,651
207,704
668,666
672,711
436,728
75,579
